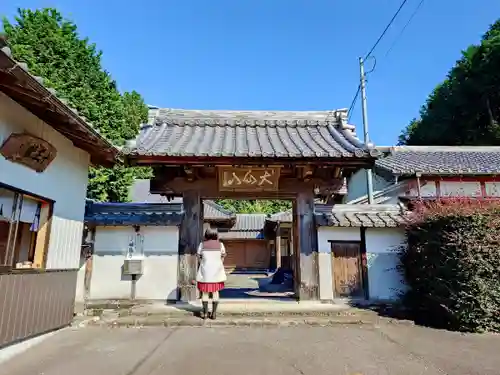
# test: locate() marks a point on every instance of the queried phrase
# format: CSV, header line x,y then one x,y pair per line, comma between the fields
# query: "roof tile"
x,y
360,215
441,160
175,132
246,226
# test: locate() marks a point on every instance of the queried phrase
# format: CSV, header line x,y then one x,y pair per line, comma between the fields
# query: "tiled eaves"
x,y
367,216
127,218
105,213
21,71
214,211
440,161
283,134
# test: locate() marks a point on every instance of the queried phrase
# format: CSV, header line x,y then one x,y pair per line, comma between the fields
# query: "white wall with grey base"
x,y
158,280
384,280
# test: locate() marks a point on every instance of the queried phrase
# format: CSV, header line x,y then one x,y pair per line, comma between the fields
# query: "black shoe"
x,y
204,311
213,316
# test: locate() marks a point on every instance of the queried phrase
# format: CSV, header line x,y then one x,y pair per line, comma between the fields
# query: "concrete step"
x,y
233,309
226,321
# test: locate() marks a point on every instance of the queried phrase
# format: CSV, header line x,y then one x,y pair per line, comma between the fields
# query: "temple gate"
x,y
299,156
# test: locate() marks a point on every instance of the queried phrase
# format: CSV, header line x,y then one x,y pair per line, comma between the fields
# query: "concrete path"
x,y
349,349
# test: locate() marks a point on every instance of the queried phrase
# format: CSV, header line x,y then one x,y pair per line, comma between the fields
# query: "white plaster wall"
x,y
159,280
64,181
161,250
110,246
357,187
460,188
384,280
427,189
492,189
452,189
326,234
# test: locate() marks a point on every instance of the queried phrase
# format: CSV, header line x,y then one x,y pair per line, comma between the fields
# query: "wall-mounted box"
x,y
133,266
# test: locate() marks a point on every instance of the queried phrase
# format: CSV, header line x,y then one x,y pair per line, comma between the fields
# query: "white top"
x,y
211,268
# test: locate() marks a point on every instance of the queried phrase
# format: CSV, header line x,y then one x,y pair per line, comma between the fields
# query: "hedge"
x,y
451,264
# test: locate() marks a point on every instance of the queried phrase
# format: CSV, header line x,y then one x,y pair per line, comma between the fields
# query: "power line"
x,y
353,103
386,28
403,3
405,26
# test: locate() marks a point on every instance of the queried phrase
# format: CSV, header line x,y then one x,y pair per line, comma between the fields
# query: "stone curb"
x,y
225,322
240,314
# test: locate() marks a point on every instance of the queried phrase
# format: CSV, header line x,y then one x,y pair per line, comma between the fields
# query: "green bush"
x,y
451,264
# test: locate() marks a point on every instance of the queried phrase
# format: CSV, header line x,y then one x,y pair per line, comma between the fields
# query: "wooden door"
x,y
347,267
257,255
246,254
235,253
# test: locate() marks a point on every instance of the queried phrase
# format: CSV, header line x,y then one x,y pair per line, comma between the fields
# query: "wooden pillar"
x,y
277,245
190,234
308,251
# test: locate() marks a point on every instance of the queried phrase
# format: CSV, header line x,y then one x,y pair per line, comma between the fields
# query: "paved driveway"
x,y
351,349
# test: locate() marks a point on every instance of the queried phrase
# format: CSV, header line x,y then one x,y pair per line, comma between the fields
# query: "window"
x,y
24,230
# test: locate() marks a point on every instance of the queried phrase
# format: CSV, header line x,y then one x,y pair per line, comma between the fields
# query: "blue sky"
x,y
278,54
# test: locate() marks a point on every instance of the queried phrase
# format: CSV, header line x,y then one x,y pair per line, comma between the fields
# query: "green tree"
x,y
465,108
52,48
255,206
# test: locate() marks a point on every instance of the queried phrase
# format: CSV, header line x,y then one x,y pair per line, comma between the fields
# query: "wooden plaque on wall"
x,y
248,179
30,151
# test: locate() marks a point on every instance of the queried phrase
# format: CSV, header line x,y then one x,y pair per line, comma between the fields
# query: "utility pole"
x,y
366,138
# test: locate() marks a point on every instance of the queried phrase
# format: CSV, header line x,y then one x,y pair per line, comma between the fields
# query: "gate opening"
x,y
260,259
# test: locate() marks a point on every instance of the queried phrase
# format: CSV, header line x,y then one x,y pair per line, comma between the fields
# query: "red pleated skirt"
x,y
210,287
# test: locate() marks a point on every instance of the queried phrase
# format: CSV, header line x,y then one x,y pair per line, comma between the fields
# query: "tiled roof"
x,y
176,132
285,216
133,213
139,193
441,160
214,211
362,215
246,226
67,121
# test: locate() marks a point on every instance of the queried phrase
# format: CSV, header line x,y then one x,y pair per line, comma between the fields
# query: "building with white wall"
x,y
358,251
45,153
430,172
118,232
149,232
402,175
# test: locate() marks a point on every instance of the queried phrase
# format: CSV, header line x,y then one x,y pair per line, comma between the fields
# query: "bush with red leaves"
x,y
451,263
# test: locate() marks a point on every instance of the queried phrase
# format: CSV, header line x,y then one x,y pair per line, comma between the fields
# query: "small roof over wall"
x,y
361,215
248,134
119,214
439,161
27,90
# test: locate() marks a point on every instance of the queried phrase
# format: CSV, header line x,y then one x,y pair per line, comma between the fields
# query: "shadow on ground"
x,y
397,311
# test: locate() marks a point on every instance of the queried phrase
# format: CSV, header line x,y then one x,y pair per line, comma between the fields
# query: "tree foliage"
x,y
255,206
52,48
465,108
451,263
